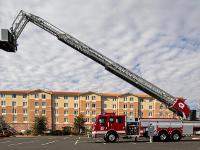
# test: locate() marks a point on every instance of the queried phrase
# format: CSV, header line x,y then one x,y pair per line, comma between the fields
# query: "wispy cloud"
x,y
158,40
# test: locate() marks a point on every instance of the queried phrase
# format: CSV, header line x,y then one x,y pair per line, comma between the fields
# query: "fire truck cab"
x,y
110,127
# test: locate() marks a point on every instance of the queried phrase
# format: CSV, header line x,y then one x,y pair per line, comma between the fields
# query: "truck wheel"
x,y
111,137
176,136
163,136
105,138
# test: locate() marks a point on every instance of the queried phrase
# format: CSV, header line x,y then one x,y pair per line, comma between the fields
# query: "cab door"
x,y
102,122
120,123
111,123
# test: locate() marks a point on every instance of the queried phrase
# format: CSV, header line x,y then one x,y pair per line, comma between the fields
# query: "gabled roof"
x,y
65,93
39,90
89,92
15,91
23,91
110,94
126,94
143,95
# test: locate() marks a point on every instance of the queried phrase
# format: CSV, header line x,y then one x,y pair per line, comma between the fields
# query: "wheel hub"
x,y
111,137
163,137
175,136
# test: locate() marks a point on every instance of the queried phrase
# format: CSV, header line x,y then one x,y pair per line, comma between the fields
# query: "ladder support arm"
x,y
176,105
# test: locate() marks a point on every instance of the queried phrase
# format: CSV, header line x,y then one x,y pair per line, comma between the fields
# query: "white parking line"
x,y
76,142
20,143
5,142
195,138
48,143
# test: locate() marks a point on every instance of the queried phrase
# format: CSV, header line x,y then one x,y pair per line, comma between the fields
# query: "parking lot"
x,y
84,143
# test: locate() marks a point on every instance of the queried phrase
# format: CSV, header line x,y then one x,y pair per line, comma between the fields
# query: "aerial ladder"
x,y
9,43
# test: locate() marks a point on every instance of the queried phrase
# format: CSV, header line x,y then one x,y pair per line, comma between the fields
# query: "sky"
x,y
156,39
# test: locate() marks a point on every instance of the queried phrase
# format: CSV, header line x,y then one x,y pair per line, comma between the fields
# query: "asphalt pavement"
x,y
84,143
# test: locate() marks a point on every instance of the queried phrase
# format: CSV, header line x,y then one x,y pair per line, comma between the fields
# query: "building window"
x,y
93,105
75,112
161,106
43,112
65,105
65,97
131,113
104,105
125,99
131,106
24,104
36,104
43,104
150,100
87,97
87,112
141,106
114,99
131,99
114,106
65,112
25,111
87,120
2,95
55,97
125,113
65,119
25,118
93,97
14,95
24,96
141,114
93,120
75,105
14,111
3,103
13,103
141,100
56,111
56,104
150,114
75,97
14,118
125,105
56,119
87,105
36,95
150,107
3,111
93,112
43,96
36,112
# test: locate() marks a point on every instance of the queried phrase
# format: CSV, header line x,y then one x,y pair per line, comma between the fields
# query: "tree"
x,y
79,123
40,125
2,123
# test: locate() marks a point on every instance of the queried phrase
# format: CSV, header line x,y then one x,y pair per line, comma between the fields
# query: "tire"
x,y
111,137
105,139
176,136
163,136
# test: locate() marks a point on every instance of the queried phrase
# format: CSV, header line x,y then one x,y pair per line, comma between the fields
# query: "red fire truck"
x,y
110,127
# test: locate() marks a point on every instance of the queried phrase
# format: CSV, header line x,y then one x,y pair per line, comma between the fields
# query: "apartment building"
x,y
19,108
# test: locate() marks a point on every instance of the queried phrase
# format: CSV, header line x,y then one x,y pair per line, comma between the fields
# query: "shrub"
x,y
40,125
